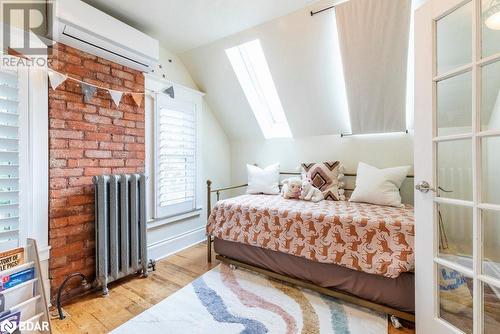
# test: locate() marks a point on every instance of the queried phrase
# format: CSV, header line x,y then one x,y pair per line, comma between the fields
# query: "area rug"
x,y
239,301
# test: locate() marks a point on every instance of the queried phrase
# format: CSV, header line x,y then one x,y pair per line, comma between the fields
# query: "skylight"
x,y
252,71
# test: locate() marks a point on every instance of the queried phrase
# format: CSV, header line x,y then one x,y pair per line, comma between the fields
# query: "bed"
x,y
359,252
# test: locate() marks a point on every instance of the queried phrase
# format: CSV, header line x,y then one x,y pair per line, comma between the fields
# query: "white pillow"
x,y
263,181
379,186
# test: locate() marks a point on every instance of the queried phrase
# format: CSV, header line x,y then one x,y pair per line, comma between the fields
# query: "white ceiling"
x,y
181,25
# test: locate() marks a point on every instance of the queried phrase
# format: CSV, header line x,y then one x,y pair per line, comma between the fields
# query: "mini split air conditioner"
x,y
86,28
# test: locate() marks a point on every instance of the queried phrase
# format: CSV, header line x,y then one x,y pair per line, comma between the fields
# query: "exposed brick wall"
x,y
87,139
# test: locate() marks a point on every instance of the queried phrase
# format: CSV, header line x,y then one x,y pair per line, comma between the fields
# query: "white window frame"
x,y
252,70
25,149
36,183
185,98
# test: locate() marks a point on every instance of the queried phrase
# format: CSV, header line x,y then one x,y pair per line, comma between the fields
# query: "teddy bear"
x,y
292,188
310,192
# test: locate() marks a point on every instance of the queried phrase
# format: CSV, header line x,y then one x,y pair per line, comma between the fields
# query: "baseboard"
x,y
170,246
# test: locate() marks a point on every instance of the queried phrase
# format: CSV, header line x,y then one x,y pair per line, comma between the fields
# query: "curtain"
x,y
374,38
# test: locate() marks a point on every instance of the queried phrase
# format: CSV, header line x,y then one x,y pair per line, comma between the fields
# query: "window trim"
x,y
161,221
179,99
38,187
257,83
25,134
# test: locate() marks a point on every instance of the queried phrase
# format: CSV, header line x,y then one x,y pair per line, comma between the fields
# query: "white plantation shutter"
x,y
176,148
24,158
10,148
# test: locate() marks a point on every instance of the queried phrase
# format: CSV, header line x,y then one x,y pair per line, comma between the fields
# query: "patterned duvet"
x,y
370,238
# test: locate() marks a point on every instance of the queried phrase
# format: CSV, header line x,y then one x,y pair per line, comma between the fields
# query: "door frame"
x,y
426,140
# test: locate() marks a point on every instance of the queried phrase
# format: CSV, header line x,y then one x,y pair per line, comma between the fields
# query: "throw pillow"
x,y
327,177
379,186
263,181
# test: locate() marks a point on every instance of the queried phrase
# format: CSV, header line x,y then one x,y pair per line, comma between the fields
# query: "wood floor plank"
x,y
85,322
66,326
130,297
136,299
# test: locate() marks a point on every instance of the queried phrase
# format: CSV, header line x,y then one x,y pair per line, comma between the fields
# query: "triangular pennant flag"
x,y
170,92
137,98
56,79
116,96
88,92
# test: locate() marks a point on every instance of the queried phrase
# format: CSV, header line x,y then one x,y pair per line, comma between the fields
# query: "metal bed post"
x,y
209,209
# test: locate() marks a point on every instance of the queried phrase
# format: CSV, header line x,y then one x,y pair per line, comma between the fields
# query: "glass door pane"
x,y
455,233
454,169
455,298
454,105
454,39
490,27
491,306
490,170
490,97
491,243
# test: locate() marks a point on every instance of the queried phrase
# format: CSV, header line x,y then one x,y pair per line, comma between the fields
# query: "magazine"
x,y
9,322
9,281
11,258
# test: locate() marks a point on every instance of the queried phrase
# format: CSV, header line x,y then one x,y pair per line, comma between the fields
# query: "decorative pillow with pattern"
x,y
327,177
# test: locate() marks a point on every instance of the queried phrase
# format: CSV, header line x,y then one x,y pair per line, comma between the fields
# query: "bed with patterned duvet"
x,y
364,249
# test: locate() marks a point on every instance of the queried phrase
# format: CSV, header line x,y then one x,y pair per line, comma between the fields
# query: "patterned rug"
x,y
239,301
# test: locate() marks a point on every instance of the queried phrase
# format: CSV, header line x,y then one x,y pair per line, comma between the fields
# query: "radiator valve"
x,y
152,265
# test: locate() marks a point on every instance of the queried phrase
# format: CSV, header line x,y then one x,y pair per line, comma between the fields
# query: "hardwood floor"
x,y
96,314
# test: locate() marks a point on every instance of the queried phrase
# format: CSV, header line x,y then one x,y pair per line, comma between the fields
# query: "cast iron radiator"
x,y
120,215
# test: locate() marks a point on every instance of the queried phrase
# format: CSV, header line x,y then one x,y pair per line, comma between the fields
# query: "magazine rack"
x,y
27,297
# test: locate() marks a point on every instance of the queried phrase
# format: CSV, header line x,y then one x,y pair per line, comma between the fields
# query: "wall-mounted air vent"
x,y
84,27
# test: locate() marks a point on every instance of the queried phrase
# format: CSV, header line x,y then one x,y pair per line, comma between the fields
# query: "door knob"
x,y
424,187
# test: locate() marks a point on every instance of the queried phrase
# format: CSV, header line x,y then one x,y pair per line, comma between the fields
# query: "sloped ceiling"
x,y
182,25
303,56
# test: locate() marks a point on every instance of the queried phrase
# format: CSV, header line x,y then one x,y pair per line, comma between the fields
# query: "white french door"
x,y
457,167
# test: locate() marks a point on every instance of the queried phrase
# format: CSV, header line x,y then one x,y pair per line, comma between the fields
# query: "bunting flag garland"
x,y
116,96
137,98
88,89
88,92
56,79
170,92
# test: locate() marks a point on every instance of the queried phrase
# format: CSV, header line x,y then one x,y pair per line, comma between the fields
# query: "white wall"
x,y
386,150
381,150
167,236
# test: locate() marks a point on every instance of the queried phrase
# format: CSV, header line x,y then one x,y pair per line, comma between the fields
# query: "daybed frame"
x,y
298,282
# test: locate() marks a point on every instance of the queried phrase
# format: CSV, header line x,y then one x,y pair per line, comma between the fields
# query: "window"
x,y
24,154
175,156
11,113
251,68
24,158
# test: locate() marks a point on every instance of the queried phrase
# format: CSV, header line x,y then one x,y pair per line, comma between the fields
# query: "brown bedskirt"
x,y
398,293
